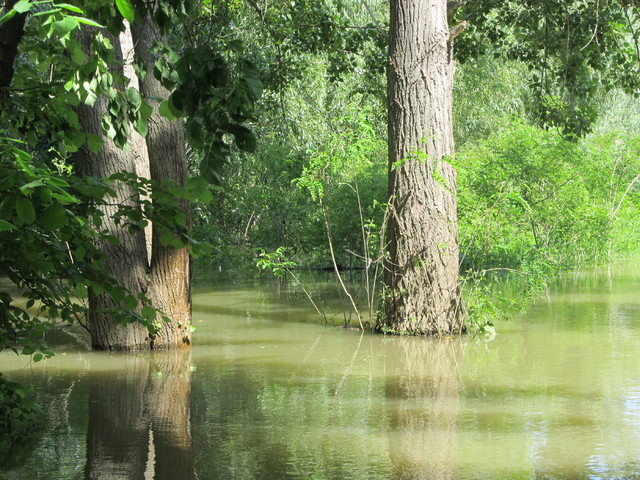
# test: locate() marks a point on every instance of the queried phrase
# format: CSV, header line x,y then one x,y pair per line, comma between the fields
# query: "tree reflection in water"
x,y
139,419
424,406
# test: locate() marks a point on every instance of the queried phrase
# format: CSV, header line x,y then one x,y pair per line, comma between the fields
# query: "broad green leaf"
x,y
81,290
165,110
97,289
126,9
146,110
22,6
53,217
64,26
94,142
149,313
80,253
142,127
25,210
166,238
133,96
4,226
130,302
78,57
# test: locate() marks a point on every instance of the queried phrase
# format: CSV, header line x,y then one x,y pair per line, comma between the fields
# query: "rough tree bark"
x,y
127,261
164,275
170,287
421,277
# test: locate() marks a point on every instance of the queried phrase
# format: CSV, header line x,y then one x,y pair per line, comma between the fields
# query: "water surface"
x,y
270,392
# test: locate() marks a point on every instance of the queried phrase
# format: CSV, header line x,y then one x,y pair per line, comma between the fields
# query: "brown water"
x,y
267,393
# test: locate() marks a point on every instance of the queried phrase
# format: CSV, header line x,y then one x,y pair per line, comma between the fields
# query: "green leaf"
x,y
148,313
25,210
71,8
64,26
53,217
142,127
130,302
4,226
94,142
77,56
166,238
165,110
8,16
81,290
27,187
22,6
146,110
126,9
88,21
133,97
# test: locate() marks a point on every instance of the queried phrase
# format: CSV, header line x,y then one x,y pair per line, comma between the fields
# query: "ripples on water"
x,y
269,392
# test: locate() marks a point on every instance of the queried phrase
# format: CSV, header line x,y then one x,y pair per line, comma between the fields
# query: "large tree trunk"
x,y
170,288
127,261
421,278
164,275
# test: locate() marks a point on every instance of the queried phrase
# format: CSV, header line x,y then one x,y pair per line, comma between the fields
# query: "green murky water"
x,y
268,394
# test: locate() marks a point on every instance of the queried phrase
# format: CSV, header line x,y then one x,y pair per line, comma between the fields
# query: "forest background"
x,y
287,148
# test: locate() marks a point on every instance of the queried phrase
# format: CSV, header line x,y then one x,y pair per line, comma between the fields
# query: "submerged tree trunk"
x,y
421,277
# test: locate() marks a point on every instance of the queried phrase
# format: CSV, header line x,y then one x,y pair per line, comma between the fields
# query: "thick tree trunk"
x,y
170,287
127,261
164,276
421,278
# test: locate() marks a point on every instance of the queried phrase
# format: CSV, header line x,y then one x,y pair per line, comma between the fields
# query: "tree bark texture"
x,y
162,273
170,288
126,261
421,275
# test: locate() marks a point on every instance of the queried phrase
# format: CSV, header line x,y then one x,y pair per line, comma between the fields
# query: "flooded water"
x,y
269,393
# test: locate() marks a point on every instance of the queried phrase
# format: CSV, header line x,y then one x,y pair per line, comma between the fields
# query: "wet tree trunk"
x,y
421,277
